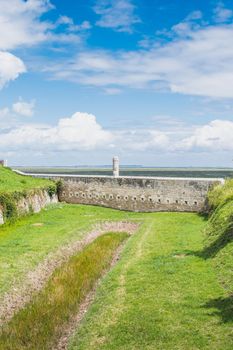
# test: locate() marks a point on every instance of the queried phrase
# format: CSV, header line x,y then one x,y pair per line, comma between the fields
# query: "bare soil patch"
x,y
38,224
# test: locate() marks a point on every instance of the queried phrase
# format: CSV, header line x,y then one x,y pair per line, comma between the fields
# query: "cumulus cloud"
x,y
200,64
118,15
22,25
217,135
80,131
24,108
10,67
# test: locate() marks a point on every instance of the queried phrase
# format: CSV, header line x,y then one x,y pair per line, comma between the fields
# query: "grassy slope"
x,y
23,245
219,245
11,182
160,295
40,323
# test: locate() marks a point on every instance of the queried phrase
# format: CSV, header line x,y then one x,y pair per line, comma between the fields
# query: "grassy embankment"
x,y
12,182
14,186
41,322
219,244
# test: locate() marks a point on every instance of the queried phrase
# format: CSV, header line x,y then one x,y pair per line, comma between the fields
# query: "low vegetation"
x,y
219,238
11,182
14,186
161,295
171,289
41,322
29,240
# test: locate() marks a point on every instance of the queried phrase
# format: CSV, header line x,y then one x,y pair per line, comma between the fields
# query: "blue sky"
x,y
148,80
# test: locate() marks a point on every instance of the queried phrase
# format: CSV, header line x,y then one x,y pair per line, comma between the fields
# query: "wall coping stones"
x,y
208,179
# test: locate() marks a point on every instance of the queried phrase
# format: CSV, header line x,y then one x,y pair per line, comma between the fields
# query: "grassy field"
x,y
40,323
24,244
162,294
11,182
171,289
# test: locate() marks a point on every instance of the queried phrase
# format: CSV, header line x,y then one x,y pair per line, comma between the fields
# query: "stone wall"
x,y
143,194
33,202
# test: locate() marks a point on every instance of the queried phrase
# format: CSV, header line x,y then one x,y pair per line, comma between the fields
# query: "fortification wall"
x,y
143,194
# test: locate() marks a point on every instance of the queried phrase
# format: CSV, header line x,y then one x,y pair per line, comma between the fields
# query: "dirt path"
x,y
21,294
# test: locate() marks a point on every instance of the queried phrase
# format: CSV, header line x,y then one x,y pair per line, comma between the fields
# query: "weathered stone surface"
x,y
142,194
33,202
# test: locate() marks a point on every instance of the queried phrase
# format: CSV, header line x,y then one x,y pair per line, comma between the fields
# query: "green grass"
x,y
221,194
40,323
219,239
13,187
11,182
23,245
162,295
171,290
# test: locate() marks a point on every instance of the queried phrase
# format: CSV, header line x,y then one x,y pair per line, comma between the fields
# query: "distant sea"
x,y
137,171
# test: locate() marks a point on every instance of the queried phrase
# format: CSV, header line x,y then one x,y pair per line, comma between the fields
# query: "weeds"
x,y
41,322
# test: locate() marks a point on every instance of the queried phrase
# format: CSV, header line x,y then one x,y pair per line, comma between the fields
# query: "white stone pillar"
x,y
115,166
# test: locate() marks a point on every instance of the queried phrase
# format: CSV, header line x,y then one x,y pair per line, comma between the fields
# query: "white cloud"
x,y
24,108
81,131
72,27
112,91
200,64
10,68
20,23
116,14
217,135
4,112
142,140
222,14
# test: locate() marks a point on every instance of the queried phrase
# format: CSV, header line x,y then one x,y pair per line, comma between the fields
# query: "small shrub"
x,y
8,204
59,184
52,189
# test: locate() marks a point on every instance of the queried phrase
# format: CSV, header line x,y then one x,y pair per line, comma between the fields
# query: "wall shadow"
x,y
224,308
